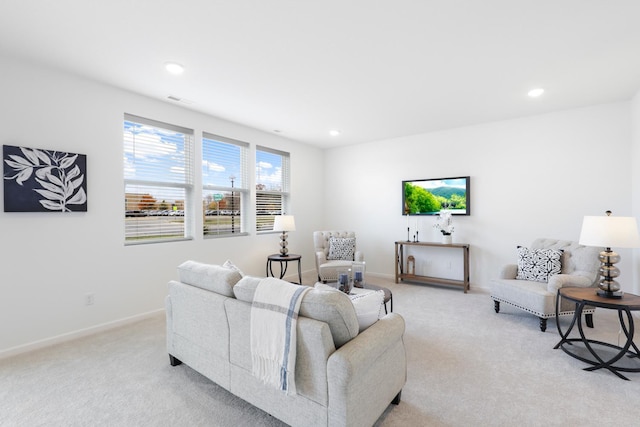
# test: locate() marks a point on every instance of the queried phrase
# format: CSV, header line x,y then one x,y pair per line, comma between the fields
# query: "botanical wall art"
x,y
37,180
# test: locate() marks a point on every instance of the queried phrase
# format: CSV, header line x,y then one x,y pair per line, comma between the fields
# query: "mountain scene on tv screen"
x,y
420,200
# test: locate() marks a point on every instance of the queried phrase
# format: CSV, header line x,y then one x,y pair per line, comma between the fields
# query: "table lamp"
x,y
609,231
284,223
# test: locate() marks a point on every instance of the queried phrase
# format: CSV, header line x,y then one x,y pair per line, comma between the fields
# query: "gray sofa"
x,y
343,377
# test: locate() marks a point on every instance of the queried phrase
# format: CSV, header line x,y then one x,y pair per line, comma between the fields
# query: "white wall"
x,y
635,173
49,261
530,177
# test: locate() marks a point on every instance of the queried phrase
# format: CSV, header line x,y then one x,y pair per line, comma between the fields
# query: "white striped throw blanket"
x,y
274,315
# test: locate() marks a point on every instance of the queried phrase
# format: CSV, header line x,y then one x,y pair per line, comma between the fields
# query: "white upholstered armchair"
x,y
334,250
531,286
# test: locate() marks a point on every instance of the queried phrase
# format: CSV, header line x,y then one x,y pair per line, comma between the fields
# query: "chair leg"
x,y
543,324
589,319
496,306
174,361
396,400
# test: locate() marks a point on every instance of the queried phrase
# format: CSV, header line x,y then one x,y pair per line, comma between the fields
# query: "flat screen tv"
x,y
430,196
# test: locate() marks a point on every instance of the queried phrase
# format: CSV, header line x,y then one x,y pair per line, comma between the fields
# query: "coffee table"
x,y
388,296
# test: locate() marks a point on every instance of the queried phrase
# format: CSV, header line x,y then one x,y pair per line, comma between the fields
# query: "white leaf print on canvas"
x,y
58,177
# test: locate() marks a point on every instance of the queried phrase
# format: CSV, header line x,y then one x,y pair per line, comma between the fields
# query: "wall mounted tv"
x,y
430,196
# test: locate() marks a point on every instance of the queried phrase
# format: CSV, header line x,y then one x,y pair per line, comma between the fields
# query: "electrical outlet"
x,y
89,299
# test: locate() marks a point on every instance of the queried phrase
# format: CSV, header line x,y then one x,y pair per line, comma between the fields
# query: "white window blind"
x,y
224,185
272,186
158,179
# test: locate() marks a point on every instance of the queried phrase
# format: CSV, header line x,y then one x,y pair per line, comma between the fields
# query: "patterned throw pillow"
x,y
341,248
538,264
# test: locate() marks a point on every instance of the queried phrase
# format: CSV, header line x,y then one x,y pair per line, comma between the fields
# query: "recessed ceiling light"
x,y
334,132
173,67
534,93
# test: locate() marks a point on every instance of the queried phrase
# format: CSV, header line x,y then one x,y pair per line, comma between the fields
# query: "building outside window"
x,y
224,185
272,186
158,181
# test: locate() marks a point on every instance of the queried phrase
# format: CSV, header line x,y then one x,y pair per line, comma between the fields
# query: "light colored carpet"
x,y
467,366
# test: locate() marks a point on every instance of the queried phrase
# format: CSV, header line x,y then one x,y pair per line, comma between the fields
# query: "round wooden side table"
x,y
601,354
284,262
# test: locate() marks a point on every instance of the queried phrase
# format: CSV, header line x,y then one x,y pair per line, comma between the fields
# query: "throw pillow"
x,y
368,307
341,248
538,264
229,264
246,288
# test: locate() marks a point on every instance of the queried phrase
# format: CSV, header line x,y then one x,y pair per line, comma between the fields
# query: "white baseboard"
x,y
36,345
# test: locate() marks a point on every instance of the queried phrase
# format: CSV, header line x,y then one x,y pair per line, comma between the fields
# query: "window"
x,y
224,185
272,186
158,181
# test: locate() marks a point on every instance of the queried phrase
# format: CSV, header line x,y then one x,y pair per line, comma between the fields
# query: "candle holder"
x,y
357,268
344,281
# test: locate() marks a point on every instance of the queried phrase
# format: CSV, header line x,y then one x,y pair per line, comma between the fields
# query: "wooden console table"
x,y
401,275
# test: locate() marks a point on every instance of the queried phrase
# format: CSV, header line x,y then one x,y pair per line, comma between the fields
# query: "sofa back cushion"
x,y
211,277
333,308
575,257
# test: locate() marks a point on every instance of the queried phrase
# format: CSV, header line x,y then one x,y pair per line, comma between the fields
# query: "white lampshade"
x,y
284,223
610,232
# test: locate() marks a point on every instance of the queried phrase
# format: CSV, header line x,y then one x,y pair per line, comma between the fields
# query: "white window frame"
x,y
238,187
265,211
178,178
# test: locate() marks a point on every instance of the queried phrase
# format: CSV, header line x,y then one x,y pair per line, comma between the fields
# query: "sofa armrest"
x,y
581,279
509,271
358,256
373,363
357,354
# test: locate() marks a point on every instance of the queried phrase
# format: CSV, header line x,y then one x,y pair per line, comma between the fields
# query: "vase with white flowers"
x,y
445,225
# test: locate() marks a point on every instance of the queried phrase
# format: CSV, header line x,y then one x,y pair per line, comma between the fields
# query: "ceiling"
x,y
374,69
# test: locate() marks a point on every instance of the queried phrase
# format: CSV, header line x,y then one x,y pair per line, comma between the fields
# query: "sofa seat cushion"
x,y
211,277
328,271
333,308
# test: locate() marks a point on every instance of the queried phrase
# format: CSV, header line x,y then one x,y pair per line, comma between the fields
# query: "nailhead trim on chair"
x,y
544,316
